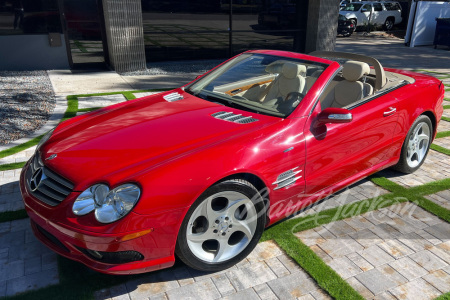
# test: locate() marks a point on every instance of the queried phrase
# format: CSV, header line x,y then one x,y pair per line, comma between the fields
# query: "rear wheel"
x,y
416,145
222,227
389,24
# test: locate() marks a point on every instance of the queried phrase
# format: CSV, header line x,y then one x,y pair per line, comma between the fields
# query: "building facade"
x,y
125,34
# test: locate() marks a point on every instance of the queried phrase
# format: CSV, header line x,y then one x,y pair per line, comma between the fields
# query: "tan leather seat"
x,y
351,89
289,80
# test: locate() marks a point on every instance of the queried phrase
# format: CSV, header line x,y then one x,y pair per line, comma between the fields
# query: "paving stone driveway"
x,y
397,252
401,251
267,273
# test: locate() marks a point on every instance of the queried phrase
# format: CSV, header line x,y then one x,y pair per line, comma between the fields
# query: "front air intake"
x,y
235,118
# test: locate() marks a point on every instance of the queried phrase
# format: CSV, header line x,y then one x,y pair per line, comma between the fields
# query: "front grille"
x,y
232,117
46,185
51,238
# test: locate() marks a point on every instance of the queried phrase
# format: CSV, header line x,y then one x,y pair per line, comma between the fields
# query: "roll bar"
x,y
380,76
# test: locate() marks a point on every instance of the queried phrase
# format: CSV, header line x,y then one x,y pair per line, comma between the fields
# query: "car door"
x,y
344,151
378,14
364,14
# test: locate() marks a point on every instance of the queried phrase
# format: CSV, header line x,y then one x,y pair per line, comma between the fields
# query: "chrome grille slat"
x,y
58,178
60,189
47,191
235,118
52,188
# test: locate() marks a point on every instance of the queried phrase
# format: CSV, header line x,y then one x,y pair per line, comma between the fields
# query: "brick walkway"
x,y
400,251
25,263
267,273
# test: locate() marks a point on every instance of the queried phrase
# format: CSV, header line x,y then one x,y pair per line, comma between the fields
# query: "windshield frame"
x,y
196,88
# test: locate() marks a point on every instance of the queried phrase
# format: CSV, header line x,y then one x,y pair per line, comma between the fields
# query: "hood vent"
x,y
173,97
229,116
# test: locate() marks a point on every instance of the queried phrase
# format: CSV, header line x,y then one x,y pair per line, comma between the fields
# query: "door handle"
x,y
391,111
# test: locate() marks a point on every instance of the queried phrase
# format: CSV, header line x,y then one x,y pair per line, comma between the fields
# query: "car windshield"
x,y
265,84
352,7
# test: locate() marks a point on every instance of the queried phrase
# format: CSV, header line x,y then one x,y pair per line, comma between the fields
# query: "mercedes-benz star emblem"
x,y
51,157
36,179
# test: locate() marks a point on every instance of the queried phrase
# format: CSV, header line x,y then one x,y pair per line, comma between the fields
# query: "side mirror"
x,y
333,115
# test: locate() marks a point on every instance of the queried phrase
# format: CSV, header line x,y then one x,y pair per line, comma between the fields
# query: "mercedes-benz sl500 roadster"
x,y
198,172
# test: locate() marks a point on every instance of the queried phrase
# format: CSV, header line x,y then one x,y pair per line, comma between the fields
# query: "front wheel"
x,y
416,145
222,227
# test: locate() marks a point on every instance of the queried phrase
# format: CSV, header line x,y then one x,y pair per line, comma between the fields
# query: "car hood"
x,y
348,14
139,134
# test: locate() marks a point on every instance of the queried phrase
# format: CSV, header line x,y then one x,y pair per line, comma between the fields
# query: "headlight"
x,y
109,205
45,138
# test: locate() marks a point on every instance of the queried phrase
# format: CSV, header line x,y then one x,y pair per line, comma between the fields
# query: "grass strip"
x,y
324,275
12,166
21,147
434,208
446,106
13,215
445,119
442,134
429,188
447,99
445,296
440,149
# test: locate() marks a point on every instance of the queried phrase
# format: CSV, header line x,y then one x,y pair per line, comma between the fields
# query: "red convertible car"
x,y
200,171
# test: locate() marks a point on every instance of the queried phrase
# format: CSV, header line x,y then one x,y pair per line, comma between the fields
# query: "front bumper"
x,y
52,226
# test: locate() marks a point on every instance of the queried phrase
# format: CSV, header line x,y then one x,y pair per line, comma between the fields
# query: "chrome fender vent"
x,y
173,97
287,178
232,117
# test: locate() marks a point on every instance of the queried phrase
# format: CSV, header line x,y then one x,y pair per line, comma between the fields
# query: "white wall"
x,y
422,21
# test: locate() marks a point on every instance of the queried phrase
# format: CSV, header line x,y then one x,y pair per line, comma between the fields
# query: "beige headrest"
x,y
354,70
274,67
291,70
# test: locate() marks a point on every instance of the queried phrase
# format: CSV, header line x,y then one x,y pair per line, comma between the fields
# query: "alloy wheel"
x,y
418,144
221,227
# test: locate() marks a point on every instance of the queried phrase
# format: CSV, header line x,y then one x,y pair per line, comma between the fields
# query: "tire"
x,y
416,145
353,22
230,214
389,24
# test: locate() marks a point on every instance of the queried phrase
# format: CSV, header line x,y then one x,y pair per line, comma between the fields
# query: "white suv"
x,y
385,13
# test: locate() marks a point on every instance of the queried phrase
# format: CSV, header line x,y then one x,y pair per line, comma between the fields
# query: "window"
x,y
367,7
392,6
377,7
29,17
352,7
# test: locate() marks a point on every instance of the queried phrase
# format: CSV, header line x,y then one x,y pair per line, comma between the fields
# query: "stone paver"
x,y
99,101
267,273
444,125
441,198
443,142
10,197
435,167
25,263
18,157
361,190
399,251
